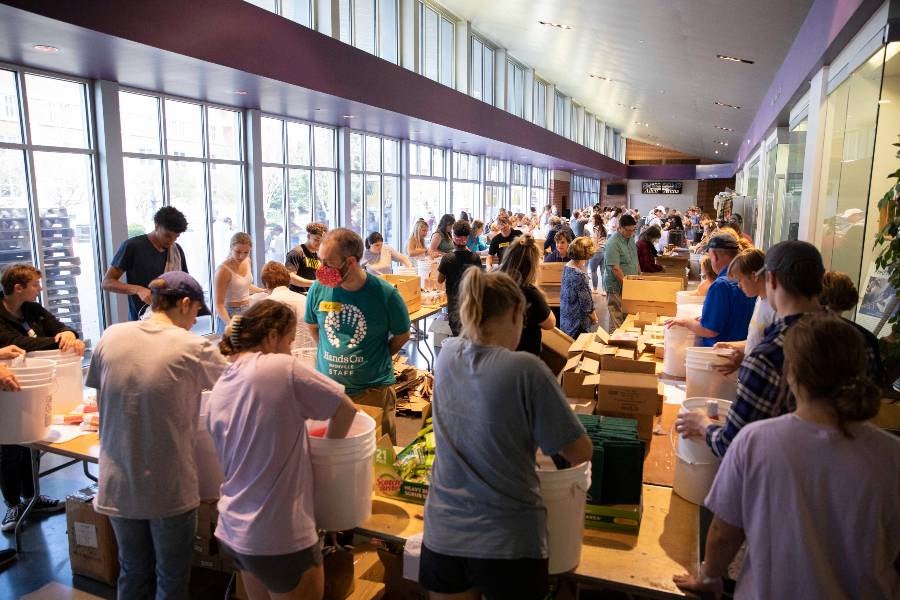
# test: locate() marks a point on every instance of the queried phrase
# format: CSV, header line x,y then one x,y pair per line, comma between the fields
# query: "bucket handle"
x,y
674,451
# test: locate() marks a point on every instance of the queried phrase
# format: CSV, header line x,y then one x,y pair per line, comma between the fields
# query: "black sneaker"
x,y
12,517
45,504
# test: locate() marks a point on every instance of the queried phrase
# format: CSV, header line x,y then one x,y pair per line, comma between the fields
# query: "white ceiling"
x,y
659,54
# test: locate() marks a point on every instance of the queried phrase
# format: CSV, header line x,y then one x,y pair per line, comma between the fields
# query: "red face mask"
x,y
330,276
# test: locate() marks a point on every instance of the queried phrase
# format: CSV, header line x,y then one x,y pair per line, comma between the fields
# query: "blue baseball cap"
x,y
181,284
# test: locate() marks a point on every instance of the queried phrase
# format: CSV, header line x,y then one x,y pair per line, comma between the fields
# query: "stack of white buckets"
x,y
69,392
25,415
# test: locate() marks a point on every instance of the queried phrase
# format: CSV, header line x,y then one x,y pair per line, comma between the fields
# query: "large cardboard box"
x,y
555,348
650,294
552,293
626,393
93,551
627,365
581,343
577,369
410,290
550,273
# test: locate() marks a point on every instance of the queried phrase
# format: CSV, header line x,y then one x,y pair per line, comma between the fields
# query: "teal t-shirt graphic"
x,y
354,328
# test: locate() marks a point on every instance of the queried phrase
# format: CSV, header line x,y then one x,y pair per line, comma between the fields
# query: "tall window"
x,y
495,186
465,186
299,11
573,122
299,181
375,186
589,130
540,193
482,70
539,106
559,114
436,45
187,155
427,185
518,188
48,195
371,25
515,88
585,191
790,228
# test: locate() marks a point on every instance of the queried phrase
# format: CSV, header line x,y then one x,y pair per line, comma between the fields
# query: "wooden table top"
x,y
84,447
659,466
426,311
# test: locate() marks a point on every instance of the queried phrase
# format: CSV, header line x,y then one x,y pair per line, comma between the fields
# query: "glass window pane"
x,y
224,133
10,125
325,198
437,163
388,30
447,59
298,143
477,69
226,194
426,201
431,46
299,205
324,145
364,25
373,154
269,5
391,204
414,160
273,205
373,204
465,198
143,193
65,187
140,123
391,156
184,128
298,11
56,112
356,193
272,141
424,160
188,194
15,236
346,15
488,76
356,158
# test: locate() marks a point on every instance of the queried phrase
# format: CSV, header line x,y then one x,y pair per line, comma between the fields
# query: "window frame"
x,y
442,16
377,33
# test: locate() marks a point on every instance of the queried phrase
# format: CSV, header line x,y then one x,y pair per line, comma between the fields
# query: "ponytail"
x,y
248,330
520,261
485,296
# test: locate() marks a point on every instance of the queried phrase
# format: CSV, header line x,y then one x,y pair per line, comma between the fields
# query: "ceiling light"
x,y
633,107
723,128
600,77
317,109
349,116
726,105
556,25
46,48
734,59
240,92
720,142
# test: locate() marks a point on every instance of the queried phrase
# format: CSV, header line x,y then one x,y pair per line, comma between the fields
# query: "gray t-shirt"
x,y
492,409
149,377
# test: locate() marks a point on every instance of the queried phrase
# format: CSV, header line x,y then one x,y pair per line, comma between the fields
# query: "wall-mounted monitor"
x,y
660,187
616,189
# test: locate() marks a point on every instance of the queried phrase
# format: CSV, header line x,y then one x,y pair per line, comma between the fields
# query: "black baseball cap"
x,y
723,241
180,284
794,255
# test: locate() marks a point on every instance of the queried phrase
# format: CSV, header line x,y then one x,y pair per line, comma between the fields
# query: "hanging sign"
x,y
661,187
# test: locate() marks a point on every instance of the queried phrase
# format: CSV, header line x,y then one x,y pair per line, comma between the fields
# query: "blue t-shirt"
x,y
726,310
492,409
354,328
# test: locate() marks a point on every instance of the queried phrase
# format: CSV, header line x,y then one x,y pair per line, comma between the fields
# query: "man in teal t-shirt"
x,y
620,260
359,321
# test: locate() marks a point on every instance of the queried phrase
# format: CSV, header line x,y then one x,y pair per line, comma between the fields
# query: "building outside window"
x,y
371,25
436,45
585,192
559,114
518,188
540,193
465,186
495,187
375,186
187,155
539,103
48,196
427,185
299,172
515,88
299,11
482,72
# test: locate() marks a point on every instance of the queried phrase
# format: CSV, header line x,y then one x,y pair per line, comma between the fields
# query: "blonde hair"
x,y
485,296
582,248
743,244
747,263
250,328
241,238
415,240
706,268
520,261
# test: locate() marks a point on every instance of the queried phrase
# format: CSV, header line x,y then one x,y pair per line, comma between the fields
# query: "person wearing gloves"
x,y
149,376
485,521
257,419
378,258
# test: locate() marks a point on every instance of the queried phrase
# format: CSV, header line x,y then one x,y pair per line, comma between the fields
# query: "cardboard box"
x,y
550,273
581,343
389,482
644,293
645,424
552,293
93,551
642,319
599,350
626,393
625,338
627,365
555,348
582,406
577,369
410,290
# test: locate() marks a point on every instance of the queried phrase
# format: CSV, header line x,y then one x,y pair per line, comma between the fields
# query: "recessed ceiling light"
x,y
46,48
633,107
716,151
721,142
240,92
317,109
349,116
734,59
662,91
723,128
726,105
556,25
657,143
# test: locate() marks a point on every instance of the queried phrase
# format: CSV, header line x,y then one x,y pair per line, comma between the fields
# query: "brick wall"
x,y
707,190
607,200
560,195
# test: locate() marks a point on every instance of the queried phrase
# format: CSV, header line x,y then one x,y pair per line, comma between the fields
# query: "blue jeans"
x,y
167,544
231,310
596,262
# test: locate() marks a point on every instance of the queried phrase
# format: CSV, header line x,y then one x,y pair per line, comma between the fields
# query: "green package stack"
x,y
617,466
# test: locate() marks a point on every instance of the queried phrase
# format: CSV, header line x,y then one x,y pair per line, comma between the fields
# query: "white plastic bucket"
x,y
686,297
25,415
210,474
564,492
703,379
34,365
343,474
676,340
695,464
69,376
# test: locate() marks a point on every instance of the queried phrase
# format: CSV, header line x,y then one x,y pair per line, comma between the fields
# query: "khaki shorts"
x,y
385,398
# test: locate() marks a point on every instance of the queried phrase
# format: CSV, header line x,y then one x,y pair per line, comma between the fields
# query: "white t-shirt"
x,y
763,316
819,509
149,377
297,302
257,420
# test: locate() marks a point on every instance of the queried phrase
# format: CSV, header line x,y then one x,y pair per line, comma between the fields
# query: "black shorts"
x,y
496,579
279,573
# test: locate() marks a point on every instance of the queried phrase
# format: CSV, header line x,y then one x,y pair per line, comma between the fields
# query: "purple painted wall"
x,y
662,172
828,27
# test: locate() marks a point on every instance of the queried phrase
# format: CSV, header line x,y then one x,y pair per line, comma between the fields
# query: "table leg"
x,y
36,480
87,473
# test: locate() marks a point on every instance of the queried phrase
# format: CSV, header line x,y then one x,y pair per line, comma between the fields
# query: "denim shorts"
x,y
279,573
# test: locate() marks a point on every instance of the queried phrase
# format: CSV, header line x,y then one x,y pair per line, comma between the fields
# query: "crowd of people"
x,y
796,433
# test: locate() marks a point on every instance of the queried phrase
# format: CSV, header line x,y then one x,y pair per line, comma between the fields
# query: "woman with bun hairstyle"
x,y
257,419
576,304
521,262
814,492
379,258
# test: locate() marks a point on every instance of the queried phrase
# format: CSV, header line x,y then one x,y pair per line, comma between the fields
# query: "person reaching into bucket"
x,y
257,419
814,492
485,521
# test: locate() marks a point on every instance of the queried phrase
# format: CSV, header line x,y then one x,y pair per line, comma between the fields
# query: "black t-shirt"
x,y
452,267
536,312
304,262
500,243
142,263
